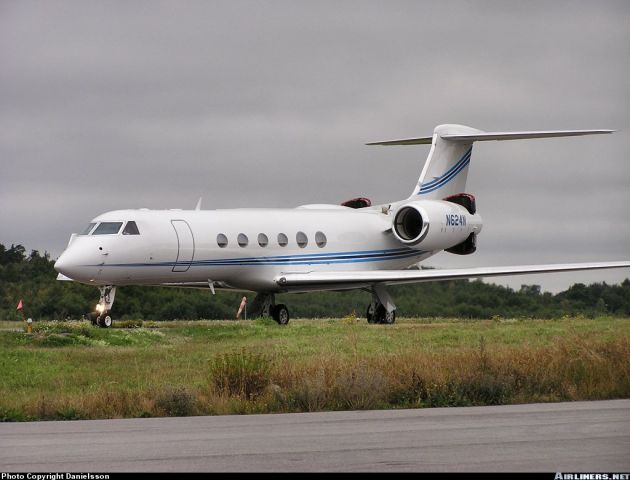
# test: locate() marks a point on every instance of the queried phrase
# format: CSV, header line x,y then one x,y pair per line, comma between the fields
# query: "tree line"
x,y
32,278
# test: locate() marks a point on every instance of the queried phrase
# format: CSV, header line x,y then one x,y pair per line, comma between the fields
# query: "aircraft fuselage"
x,y
245,248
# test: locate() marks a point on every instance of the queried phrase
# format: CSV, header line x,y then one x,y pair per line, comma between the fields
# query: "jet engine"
x,y
430,225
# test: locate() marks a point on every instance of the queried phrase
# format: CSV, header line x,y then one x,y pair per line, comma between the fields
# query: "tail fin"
x,y
446,168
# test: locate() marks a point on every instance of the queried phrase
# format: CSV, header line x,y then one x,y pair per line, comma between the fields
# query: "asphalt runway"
x,y
554,437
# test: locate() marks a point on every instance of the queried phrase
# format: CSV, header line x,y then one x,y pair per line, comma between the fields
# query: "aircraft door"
x,y
185,245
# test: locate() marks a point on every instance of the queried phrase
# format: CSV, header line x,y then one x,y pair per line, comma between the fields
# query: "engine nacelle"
x,y
431,225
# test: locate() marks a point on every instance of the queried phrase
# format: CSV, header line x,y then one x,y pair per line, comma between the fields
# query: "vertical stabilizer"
x,y
446,168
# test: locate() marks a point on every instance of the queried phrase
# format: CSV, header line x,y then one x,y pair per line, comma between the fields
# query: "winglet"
x,y
198,207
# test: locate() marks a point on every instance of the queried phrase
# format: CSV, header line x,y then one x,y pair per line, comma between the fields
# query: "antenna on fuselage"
x,y
198,207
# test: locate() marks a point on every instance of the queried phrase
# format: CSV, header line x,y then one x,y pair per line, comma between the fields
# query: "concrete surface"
x,y
569,437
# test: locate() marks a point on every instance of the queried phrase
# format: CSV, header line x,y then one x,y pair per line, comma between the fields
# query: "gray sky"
x,y
107,105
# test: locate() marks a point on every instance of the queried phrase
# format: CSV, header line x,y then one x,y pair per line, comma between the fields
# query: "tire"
x,y
382,316
369,314
281,314
105,320
389,318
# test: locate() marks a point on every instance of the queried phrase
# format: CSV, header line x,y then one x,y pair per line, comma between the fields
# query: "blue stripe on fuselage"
x,y
304,259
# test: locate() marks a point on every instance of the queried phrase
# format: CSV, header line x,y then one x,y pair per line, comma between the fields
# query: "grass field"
x,y
71,370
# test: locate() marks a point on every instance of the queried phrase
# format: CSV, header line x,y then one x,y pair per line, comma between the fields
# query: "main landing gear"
x,y
264,305
102,316
382,308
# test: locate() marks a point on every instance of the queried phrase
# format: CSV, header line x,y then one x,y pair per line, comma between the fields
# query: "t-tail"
x,y
446,168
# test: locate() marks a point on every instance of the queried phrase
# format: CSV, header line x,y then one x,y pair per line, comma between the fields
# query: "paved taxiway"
x,y
579,436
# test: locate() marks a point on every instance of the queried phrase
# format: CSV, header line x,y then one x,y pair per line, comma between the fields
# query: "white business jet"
x,y
308,248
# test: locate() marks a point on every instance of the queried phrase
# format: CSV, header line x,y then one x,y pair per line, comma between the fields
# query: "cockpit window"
x,y
131,229
88,229
107,228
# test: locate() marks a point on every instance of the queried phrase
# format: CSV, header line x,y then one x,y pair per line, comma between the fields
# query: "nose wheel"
x,y
103,317
104,320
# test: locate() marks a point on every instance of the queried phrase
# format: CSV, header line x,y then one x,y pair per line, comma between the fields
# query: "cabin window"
x,y
263,241
242,240
131,229
301,239
283,240
107,228
88,229
320,239
222,240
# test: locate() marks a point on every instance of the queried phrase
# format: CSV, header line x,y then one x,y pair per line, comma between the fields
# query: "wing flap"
x,y
397,277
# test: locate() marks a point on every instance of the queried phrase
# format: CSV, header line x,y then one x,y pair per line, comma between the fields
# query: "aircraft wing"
x,y
343,280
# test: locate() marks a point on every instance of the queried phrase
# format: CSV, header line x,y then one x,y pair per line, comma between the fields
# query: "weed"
x,y
361,387
12,415
265,322
128,324
309,394
241,373
175,401
68,413
350,319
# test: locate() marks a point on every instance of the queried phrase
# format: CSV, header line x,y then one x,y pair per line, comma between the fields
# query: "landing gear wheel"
x,y
104,321
390,317
383,316
280,314
369,314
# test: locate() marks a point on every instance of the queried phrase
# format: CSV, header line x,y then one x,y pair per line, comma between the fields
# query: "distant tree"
x,y
33,278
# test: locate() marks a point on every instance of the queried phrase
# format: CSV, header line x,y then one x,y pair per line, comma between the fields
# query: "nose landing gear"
x,y
102,316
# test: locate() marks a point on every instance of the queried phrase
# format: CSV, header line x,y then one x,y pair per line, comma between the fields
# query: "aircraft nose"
x,y
67,264
77,263
61,265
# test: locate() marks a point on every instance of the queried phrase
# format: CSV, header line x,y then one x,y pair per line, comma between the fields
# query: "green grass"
x,y
69,370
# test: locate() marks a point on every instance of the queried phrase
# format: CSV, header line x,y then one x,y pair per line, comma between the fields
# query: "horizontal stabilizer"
x,y
397,277
485,136
482,136
408,141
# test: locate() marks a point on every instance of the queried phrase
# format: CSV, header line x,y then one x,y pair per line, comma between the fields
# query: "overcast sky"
x,y
108,105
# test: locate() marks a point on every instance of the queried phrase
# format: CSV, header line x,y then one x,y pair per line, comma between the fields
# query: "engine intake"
x,y
408,224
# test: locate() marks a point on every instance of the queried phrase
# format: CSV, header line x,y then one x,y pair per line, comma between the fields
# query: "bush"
x,y
175,401
241,373
361,388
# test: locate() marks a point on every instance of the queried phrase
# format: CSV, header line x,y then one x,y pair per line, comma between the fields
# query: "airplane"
x,y
318,247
